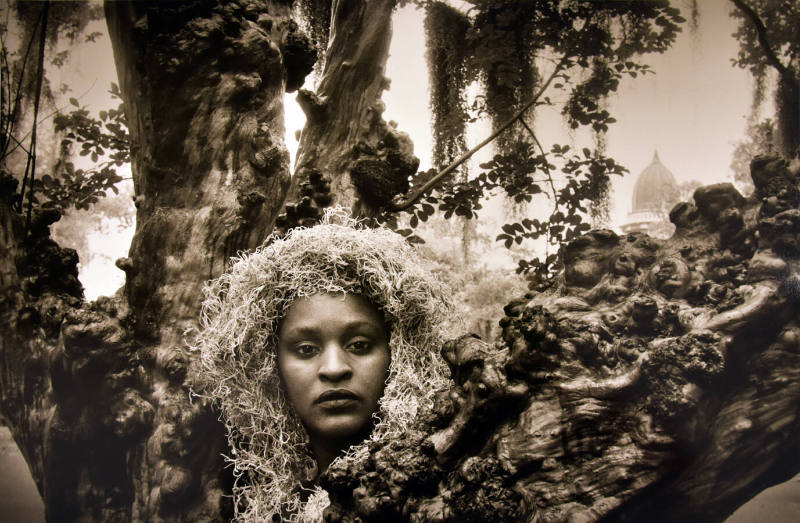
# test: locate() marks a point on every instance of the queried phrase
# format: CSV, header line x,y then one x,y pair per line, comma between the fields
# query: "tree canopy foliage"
x,y
526,57
769,40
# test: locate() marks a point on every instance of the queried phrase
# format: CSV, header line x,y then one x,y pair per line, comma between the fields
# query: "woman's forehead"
x,y
330,309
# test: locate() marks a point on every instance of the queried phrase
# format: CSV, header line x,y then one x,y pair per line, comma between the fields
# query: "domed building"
x,y
654,195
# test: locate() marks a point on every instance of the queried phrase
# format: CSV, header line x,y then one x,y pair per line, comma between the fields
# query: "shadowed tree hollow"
x,y
643,380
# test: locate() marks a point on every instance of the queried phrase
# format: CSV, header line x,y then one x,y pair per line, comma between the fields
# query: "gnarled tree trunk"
x,y
655,381
346,148
657,371
95,393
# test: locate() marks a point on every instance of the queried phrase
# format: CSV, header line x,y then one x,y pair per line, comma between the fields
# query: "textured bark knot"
x,y
315,195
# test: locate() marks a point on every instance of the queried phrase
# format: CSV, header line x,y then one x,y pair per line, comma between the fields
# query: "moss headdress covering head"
x,y
238,338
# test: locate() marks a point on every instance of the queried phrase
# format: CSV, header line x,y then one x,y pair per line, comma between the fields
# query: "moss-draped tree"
x,y
96,393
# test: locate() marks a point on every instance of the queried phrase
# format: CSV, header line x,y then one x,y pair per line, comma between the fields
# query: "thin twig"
x,y
5,87
17,95
47,117
402,205
546,166
552,184
19,144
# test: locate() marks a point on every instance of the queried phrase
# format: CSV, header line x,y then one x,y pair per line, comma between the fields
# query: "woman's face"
x,y
333,358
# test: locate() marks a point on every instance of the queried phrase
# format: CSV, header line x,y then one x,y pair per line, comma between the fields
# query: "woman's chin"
x,y
348,429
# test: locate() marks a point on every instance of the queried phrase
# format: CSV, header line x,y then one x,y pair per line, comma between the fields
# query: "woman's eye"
x,y
305,350
360,347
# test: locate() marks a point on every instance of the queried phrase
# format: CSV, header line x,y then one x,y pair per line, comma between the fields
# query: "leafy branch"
x,y
105,138
436,179
763,39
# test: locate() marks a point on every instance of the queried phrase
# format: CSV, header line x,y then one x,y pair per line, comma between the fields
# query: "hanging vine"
x,y
518,48
694,16
445,31
504,59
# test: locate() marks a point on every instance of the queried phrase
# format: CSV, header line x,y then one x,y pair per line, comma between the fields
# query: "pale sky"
x,y
692,111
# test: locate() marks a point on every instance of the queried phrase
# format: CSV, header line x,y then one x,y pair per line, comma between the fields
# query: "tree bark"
x,y
95,393
655,381
364,160
203,86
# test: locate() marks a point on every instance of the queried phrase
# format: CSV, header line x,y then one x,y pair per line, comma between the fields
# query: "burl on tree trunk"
x,y
656,380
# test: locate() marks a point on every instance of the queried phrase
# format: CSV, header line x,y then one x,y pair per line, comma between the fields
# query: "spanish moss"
x,y
505,60
446,30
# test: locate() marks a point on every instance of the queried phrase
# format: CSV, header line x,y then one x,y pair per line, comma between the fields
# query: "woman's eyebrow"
x,y
362,323
314,329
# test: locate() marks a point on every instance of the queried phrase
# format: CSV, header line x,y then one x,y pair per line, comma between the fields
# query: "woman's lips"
x,y
337,398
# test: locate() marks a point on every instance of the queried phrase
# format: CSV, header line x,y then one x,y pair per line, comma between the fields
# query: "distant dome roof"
x,y
654,187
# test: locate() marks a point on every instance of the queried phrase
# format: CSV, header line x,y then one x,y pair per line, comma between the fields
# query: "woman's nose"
x,y
334,365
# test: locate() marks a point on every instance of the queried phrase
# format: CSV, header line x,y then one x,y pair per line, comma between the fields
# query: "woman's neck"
x,y
326,450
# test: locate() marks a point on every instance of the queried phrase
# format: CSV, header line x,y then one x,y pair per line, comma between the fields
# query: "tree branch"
x,y
761,33
402,205
546,167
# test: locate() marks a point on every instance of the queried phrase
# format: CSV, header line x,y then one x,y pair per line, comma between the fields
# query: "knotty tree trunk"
x,y
94,393
655,381
363,160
